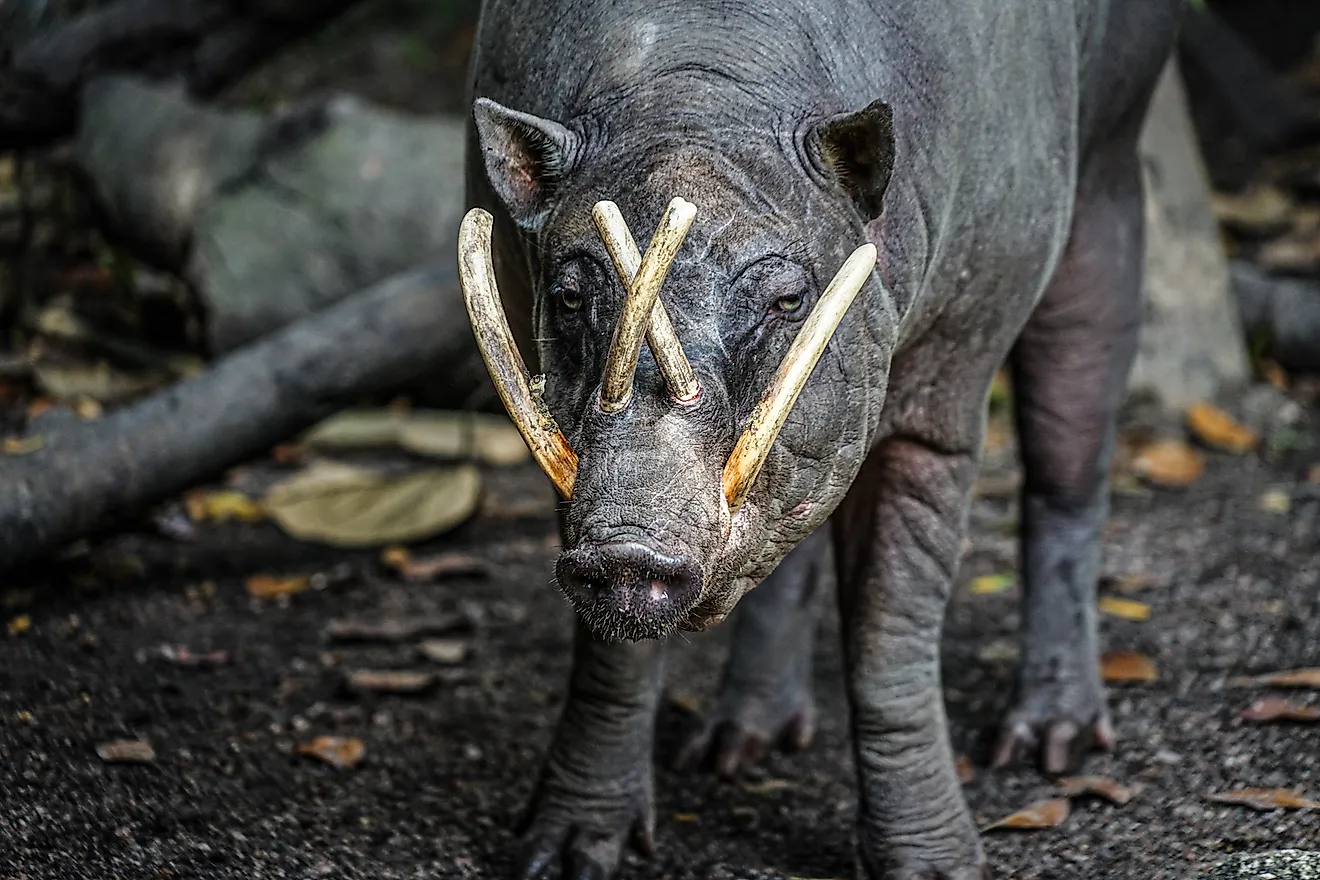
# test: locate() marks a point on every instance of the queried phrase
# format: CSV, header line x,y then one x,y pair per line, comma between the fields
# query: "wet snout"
x,y
627,589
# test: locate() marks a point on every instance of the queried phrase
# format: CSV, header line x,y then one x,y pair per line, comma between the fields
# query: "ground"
x,y
1234,590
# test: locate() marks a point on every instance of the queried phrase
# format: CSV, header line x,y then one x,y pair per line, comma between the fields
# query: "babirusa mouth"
x,y
754,445
643,314
476,274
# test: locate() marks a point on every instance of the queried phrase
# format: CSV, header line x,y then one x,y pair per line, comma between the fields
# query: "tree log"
x,y
205,44
88,475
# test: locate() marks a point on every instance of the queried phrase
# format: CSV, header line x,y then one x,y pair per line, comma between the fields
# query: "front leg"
x,y
596,787
898,538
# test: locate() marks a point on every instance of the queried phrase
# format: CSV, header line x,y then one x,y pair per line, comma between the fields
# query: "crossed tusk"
x,y
642,278
643,314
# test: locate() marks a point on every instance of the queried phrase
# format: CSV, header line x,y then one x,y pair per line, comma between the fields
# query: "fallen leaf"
x,y
347,506
1292,254
1275,501
1259,211
179,655
1265,799
101,382
767,786
221,506
1043,814
685,817
485,437
20,624
1279,709
1291,678
126,751
432,568
390,681
965,769
1217,429
24,445
446,651
989,584
685,703
999,651
1127,666
1110,789
1128,583
1127,609
337,751
264,586
1169,463
1274,374
446,435
395,629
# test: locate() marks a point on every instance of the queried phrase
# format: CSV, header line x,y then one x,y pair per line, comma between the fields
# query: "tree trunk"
x,y
1191,340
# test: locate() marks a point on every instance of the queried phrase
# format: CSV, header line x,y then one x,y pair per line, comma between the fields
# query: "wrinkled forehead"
x,y
747,203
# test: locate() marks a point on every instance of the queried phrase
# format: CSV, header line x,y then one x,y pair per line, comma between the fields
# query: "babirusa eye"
x,y
790,303
571,298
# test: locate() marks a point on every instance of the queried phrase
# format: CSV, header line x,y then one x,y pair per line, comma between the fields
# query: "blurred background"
x,y
274,568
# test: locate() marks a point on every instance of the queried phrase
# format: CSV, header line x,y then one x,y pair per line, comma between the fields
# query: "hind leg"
x,y
1069,369
765,697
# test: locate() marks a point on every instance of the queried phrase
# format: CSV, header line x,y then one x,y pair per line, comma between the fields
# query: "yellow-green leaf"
x,y
350,506
1128,609
988,584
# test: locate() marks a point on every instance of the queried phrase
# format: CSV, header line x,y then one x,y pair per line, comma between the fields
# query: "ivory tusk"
x,y
476,274
753,446
643,313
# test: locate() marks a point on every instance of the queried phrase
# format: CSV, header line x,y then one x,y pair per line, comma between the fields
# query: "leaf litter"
x,y
1279,709
341,752
126,751
1265,799
1127,666
425,569
1043,814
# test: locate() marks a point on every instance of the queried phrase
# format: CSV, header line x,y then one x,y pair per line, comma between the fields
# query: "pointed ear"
x,y
858,150
526,157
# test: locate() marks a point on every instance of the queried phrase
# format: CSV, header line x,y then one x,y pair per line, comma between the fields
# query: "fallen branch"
x,y
87,475
205,44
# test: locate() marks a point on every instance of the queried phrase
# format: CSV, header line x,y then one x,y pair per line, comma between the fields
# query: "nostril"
x,y
629,568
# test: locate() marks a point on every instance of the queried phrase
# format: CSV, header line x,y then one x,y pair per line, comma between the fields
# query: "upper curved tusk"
x,y
476,274
643,313
753,446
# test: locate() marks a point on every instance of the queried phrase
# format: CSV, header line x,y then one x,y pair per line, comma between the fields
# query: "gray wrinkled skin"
x,y
987,149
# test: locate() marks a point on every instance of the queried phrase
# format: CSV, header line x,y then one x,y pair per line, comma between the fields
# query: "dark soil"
x,y
1235,591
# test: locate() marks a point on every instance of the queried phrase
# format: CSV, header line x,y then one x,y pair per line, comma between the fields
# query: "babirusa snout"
x,y
643,314
754,445
476,274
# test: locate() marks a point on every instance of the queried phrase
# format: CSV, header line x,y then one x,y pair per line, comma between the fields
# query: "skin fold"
x,y
987,149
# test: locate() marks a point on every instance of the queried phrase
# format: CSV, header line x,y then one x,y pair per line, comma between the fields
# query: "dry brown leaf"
x,y
965,769
20,624
432,568
1265,799
1127,666
1279,709
390,681
1043,814
395,629
446,435
1291,678
222,506
264,586
1217,429
126,751
1274,374
42,405
1171,464
337,751
1110,789
1127,609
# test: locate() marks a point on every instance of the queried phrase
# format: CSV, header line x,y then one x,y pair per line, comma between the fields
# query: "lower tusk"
x,y
660,335
763,427
476,273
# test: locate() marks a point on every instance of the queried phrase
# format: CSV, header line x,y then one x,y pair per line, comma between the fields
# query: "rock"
x,y
1285,864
